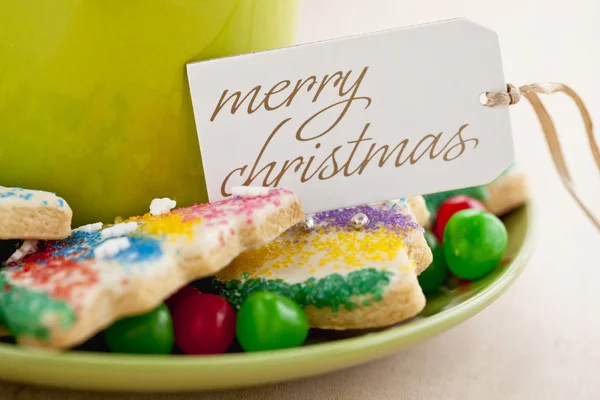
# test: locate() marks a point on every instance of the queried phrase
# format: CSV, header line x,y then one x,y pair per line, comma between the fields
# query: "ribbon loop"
x,y
530,92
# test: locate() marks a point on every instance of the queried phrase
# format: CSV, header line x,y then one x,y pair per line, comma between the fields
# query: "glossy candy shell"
x,y
322,353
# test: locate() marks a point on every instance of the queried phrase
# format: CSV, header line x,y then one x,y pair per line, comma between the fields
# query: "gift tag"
x,y
356,120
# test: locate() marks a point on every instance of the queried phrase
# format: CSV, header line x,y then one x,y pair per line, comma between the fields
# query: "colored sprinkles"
x,y
48,288
329,265
334,291
377,216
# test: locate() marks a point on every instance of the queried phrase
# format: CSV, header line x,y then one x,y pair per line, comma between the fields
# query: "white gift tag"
x,y
356,120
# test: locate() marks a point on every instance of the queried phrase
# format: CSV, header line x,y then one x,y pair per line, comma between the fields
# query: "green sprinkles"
x,y
22,310
332,291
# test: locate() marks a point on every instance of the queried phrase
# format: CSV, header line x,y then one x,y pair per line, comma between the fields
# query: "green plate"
x,y
325,351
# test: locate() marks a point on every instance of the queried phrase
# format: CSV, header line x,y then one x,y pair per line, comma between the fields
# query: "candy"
x,y
268,321
474,242
181,294
204,324
449,208
431,279
150,333
435,200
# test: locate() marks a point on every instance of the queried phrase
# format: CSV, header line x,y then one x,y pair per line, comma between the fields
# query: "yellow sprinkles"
x,y
171,225
318,248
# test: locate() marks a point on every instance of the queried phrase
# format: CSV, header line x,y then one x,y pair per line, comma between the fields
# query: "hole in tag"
x,y
483,99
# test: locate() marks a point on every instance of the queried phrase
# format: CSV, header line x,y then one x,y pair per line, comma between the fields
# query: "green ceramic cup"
x,y
94,102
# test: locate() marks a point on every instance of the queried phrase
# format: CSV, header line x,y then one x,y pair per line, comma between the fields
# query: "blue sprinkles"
x,y
61,202
7,194
142,249
79,246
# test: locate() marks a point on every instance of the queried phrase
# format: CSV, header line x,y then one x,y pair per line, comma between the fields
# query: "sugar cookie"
x,y
70,289
33,214
506,193
349,269
503,195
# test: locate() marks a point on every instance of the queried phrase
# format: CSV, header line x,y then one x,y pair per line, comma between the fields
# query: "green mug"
x,y
94,100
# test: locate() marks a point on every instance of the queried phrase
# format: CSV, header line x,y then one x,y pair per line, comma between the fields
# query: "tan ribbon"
x,y
530,92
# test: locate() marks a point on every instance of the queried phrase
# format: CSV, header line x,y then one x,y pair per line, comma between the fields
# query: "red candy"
x,y
181,294
451,207
203,324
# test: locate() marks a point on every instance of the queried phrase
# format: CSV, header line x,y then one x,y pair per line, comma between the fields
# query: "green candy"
x,y
269,321
474,243
150,333
23,310
431,279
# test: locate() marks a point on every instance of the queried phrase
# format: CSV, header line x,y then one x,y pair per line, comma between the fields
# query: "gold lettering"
x,y
354,87
224,193
334,168
251,177
273,91
298,86
271,173
357,143
236,102
325,81
431,146
346,106
286,165
384,157
461,144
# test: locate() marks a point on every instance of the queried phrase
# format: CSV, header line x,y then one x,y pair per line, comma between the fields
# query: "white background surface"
x,y
541,340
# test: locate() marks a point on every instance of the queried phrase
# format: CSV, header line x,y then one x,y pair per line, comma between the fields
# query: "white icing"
x,y
18,197
249,191
162,206
89,227
28,247
207,234
111,247
120,229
